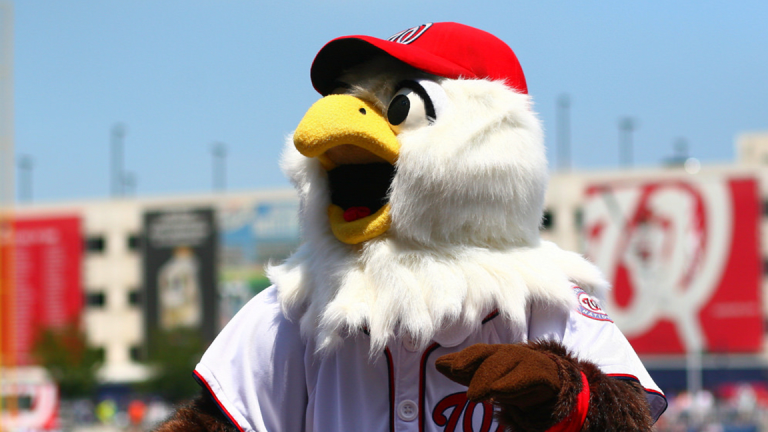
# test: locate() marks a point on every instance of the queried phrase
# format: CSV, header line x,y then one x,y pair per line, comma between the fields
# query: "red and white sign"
x,y
44,257
36,400
683,256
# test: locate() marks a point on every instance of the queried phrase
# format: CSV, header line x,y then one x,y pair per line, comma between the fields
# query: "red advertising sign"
x,y
44,256
683,256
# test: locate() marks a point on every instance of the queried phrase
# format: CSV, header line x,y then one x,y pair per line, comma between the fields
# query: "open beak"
x,y
355,144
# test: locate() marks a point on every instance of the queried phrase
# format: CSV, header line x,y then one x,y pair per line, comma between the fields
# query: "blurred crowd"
x,y
731,408
108,415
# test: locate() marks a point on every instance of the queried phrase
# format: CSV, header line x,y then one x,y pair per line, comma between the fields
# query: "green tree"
x,y
72,363
172,355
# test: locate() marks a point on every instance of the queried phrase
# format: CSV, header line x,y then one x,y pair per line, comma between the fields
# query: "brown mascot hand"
x,y
509,374
537,385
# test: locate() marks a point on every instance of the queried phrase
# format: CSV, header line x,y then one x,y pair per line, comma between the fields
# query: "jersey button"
x,y
409,343
407,410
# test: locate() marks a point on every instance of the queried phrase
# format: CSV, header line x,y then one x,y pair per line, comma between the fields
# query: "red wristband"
x,y
575,419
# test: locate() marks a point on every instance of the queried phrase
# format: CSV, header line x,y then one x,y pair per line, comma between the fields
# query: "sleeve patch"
x,y
589,306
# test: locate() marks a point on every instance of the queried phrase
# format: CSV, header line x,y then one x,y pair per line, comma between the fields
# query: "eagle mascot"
x,y
422,298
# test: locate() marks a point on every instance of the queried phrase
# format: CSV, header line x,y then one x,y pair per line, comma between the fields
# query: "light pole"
x,y
219,153
26,164
129,184
564,132
118,180
627,125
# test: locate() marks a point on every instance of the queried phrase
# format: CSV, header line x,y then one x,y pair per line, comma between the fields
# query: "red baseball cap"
x,y
446,49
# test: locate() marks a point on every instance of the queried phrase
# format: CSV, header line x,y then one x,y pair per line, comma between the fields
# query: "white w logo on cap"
x,y
410,35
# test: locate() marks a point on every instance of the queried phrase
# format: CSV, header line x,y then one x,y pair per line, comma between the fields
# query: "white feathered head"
x,y
432,139
422,174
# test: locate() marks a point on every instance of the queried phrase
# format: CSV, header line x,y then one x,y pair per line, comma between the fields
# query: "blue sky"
x,y
181,75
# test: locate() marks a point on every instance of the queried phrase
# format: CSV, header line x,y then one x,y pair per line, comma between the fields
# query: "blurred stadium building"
x,y
170,262
684,246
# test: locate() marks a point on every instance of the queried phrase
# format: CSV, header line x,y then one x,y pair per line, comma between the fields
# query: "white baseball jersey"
x,y
266,377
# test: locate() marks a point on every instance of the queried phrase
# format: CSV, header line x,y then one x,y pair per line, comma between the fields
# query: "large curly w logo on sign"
x,y
683,258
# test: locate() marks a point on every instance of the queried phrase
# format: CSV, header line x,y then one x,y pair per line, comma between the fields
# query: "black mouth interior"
x,y
363,185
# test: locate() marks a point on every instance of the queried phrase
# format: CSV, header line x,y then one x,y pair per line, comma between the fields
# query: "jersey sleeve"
x,y
254,368
589,333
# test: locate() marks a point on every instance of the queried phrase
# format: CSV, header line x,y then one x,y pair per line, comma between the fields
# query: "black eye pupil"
x,y
398,110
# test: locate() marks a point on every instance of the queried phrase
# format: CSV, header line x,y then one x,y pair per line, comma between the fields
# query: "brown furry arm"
x,y
536,385
614,404
199,415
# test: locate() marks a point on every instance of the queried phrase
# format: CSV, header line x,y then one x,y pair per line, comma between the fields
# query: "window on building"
x,y
548,221
134,297
134,242
96,299
95,244
578,216
136,353
101,354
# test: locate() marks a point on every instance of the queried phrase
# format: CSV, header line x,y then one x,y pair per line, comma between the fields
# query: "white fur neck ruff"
x,y
466,205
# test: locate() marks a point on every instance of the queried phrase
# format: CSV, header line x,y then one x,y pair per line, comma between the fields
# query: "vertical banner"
x,y
253,234
179,270
44,258
683,256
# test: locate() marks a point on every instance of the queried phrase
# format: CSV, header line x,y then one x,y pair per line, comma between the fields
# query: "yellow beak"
x,y
344,120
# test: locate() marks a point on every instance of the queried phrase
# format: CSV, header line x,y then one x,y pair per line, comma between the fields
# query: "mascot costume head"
x,y
422,175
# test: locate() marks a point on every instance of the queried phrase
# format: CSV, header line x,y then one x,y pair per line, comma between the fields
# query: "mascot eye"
x,y
407,111
413,105
398,109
